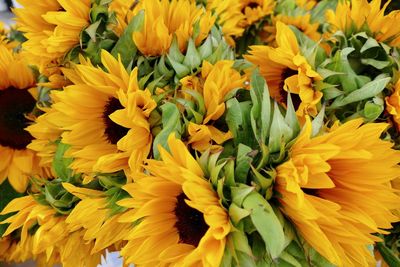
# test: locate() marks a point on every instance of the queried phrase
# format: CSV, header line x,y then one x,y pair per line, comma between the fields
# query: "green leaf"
x,y
180,69
372,111
233,116
388,255
192,57
125,45
61,164
378,64
290,259
243,162
369,90
97,12
318,122
266,222
370,43
261,109
238,119
92,30
171,122
291,117
236,214
279,132
240,192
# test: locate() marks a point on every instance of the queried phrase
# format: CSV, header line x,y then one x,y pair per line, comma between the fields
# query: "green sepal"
x,y
240,192
125,45
60,164
266,222
280,131
243,163
261,109
369,90
115,194
171,121
58,197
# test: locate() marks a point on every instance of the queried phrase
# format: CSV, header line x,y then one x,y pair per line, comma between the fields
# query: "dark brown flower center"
x,y
251,5
190,222
286,73
15,104
113,131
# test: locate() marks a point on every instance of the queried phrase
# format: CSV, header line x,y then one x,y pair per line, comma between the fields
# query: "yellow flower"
x,y
163,19
202,137
301,22
17,101
51,242
104,116
215,82
336,189
229,15
180,219
123,12
286,70
306,4
351,16
52,28
92,214
255,10
393,105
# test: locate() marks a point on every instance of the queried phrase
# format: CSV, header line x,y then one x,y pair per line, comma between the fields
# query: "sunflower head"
x,y
362,15
17,103
229,16
286,69
255,10
321,192
110,132
184,225
162,22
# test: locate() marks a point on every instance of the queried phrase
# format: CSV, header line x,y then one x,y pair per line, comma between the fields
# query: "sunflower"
x,y
52,27
229,15
104,116
92,214
180,221
352,16
12,250
123,13
306,4
393,105
47,233
163,19
215,82
255,10
301,22
336,190
286,70
17,101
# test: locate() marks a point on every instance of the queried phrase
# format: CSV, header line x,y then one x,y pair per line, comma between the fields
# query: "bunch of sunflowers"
x,y
201,133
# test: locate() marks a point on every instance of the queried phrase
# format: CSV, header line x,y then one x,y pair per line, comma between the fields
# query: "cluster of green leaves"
x,y
243,176
390,247
97,36
356,74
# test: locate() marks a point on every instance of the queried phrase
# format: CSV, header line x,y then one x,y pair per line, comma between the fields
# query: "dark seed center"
x,y
190,222
15,104
286,73
113,131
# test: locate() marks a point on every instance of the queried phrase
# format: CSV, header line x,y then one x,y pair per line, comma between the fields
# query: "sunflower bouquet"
x,y
201,133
